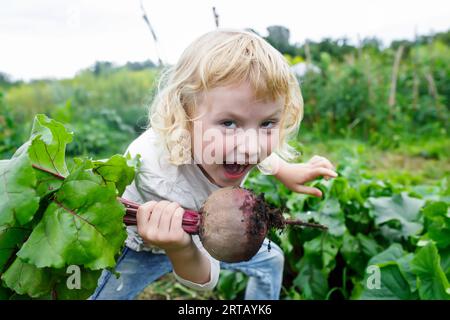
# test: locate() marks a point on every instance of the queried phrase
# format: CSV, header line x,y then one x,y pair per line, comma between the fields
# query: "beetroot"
x,y
232,223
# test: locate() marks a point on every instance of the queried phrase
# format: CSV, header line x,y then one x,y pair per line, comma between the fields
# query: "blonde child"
x,y
230,104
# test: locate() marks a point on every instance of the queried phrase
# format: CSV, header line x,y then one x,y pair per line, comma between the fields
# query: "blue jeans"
x,y
139,269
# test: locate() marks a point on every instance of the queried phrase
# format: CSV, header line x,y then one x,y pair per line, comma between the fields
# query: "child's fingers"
x,y
143,215
319,171
144,211
321,161
315,159
324,163
166,217
156,217
308,190
176,226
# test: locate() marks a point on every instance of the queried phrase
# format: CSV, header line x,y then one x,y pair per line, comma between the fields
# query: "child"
x,y
232,86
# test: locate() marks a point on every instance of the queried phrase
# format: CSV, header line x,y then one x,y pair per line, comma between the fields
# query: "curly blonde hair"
x,y
220,58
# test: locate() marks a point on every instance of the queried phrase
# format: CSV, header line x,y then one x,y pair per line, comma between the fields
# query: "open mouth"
x,y
235,170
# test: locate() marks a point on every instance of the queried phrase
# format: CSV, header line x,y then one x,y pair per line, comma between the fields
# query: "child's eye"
x,y
268,124
228,124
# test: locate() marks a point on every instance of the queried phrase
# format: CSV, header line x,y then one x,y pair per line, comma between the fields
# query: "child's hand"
x,y
294,175
160,224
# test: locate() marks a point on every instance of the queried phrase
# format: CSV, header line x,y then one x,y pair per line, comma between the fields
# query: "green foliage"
x,y
107,109
399,208
231,285
11,135
52,217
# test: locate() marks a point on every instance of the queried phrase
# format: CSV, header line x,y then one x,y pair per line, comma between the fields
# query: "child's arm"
x,y
295,175
160,224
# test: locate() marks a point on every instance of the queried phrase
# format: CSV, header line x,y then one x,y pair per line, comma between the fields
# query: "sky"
x,y
55,38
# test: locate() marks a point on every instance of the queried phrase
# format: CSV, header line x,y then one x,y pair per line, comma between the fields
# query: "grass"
x,y
168,288
410,162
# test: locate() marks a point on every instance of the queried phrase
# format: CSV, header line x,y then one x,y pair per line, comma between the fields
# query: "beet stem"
x,y
191,219
57,175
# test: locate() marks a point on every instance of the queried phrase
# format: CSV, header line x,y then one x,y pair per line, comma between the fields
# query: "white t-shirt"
x,y
160,180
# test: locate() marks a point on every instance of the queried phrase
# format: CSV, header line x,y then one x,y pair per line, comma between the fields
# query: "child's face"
x,y
232,127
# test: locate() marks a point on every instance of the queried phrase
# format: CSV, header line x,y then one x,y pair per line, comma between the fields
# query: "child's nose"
x,y
248,150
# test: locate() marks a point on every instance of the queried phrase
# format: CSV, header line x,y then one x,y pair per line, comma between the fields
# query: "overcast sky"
x,y
55,38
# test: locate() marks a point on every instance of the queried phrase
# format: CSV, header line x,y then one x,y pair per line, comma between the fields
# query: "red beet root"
x,y
232,223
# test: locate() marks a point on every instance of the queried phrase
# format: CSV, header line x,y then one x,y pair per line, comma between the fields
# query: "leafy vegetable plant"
x,y
53,218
